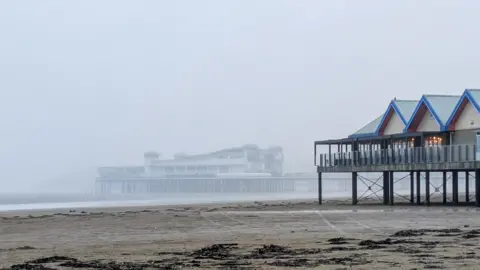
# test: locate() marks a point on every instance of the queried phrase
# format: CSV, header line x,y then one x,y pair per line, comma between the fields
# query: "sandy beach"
x,y
259,235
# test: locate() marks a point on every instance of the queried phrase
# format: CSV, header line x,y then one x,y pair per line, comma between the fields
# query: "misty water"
x,y
341,188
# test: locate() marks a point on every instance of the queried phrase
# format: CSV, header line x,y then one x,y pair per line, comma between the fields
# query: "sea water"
x,y
32,201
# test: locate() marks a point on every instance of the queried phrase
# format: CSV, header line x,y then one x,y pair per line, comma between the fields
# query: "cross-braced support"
x,y
373,188
436,189
370,191
394,194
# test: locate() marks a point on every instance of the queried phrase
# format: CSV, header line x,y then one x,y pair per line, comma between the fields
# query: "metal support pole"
x,y
386,193
467,187
419,199
455,187
354,188
390,188
444,186
319,188
427,188
477,187
412,188
329,155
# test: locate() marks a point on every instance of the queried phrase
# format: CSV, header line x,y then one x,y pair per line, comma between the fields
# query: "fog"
x,y
92,83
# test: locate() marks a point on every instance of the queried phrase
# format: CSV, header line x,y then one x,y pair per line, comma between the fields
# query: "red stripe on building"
x,y
390,112
418,117
456,116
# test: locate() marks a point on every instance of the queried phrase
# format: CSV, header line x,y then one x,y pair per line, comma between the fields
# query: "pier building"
x,y
248,168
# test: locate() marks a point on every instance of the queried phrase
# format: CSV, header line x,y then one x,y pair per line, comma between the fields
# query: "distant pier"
x,y
207,185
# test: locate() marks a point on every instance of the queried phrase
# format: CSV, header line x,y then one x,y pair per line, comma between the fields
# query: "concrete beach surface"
x,y
256,235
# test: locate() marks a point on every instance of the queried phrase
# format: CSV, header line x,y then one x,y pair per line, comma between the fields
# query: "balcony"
x,y
432,158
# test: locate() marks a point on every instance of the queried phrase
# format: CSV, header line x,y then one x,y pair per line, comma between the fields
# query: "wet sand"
x,y
269,235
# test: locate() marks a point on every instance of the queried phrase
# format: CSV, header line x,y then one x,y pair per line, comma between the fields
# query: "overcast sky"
x,y
89,83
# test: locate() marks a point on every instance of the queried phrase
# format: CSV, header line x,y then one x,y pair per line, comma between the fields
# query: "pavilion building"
x,y
437,133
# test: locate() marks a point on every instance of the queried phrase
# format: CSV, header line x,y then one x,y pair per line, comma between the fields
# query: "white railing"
x,y
407,155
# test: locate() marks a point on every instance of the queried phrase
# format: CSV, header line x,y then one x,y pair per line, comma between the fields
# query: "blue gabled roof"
x,y
473,96
368,130
403,108
406,108
440,106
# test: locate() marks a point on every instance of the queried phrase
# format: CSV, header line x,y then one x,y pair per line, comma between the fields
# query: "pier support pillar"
x,y
386,182
419,199
477,188
354,188
467,186
427,188
412,188
320,188
444,187
390,188
455,187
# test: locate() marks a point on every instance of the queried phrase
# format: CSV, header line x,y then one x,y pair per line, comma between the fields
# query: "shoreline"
x,y
340,202
149,200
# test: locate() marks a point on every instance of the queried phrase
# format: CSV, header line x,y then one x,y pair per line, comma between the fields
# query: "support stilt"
x,y
386,182
467,186
477,188
419,199
455,187
354,188
427,188
319,188
390,188
444,187
412,188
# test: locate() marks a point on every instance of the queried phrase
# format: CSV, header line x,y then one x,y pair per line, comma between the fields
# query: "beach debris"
x,y
420,232
27,266
407,250
271,249
25,248
18,248
372,244
339,240
354,259
471,234
408,233
52,259
302,262
338,248
215,251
